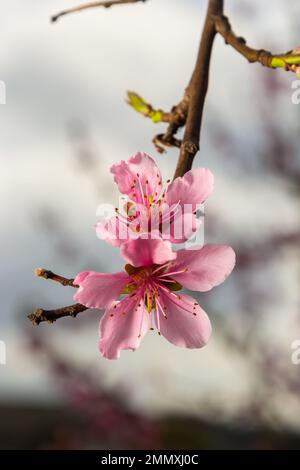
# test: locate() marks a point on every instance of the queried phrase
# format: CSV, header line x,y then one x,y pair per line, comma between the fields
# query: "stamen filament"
x,y
161,267
172,273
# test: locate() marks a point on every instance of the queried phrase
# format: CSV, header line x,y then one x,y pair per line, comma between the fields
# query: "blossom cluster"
x,y
146,294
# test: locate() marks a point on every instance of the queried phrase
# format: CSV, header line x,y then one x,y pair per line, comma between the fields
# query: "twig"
x,y
87,6
167,139
197,91
46,274
146,109
262,56
175,118
40,315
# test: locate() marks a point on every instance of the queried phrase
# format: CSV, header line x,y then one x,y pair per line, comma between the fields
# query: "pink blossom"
x,y
149,288
169,213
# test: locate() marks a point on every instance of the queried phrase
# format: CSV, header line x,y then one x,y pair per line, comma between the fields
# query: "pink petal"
x,y
81,277
114,231
145,252
181,227
123,326
182,327
141,167
206,268
98,290
193,188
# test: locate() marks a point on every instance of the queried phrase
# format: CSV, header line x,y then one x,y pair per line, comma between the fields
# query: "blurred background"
x,y
64,123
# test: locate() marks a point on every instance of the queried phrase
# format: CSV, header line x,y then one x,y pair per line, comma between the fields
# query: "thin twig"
x,y
46,274
40,315
262,56
175,118
87,6
197,91
167,139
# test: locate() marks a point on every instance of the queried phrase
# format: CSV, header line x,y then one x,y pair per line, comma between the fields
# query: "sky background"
x,y
74,75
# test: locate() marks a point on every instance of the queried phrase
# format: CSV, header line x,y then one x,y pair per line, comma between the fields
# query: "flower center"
x,y
150,279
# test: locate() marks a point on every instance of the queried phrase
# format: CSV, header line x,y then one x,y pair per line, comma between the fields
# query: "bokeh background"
x,y
65,122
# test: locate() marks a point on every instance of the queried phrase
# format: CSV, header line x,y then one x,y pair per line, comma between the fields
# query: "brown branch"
x,y
167,139
223,27
177,119
87,6
50,316
40,315
261,56
197,91
46,274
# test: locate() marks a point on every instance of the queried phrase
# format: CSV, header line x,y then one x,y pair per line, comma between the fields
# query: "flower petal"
x,y
98,290
180,227
115,231
186,325
137,177
145,252
123,326
206,268
191,189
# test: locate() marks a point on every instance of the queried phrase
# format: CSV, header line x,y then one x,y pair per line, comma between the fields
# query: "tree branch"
x,y
87,6
46,274
40,315
262,56
197,91
175,118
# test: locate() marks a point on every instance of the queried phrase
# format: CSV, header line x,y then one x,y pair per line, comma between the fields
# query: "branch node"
x,y
190,148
